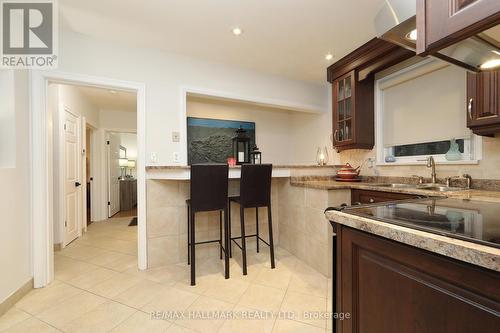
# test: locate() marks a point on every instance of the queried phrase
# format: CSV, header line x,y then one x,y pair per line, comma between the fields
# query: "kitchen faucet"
x,y
431,164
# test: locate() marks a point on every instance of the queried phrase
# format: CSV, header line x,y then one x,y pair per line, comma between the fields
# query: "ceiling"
x,y
106,99
283,37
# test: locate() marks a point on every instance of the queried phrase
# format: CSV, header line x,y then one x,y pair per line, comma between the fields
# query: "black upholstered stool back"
x,y
209,183
255,185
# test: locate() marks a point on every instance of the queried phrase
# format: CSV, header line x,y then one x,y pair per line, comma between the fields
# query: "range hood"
x,y
396,23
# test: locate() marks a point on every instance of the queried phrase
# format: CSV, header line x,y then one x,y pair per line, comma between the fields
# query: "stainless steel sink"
x,y
430,187
397,185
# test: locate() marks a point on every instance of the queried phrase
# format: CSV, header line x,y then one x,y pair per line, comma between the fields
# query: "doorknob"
x,y
77,184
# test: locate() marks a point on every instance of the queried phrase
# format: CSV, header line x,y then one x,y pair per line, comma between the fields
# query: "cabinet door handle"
x,y
373,200
469,108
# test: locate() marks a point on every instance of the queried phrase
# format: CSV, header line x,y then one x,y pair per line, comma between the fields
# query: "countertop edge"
x,y
277,166
472,253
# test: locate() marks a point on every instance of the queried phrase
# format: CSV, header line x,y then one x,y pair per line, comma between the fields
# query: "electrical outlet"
x,y
176,137
177,157
154,157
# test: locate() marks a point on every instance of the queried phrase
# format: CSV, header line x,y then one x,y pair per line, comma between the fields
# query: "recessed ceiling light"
x,y
412,35
329,56
491,64
113,92
237,31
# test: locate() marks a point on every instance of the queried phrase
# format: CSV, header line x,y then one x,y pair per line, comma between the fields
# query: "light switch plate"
x,y
154,157
176,137
177,157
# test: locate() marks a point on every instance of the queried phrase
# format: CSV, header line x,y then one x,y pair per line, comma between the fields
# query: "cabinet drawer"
x,y
367,197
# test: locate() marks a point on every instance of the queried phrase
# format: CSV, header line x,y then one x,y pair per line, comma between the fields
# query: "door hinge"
x,y
64,126
107,142
109,203
65,224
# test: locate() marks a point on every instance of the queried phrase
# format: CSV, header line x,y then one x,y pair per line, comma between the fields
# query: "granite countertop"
x,y
476,254
474,194
275,166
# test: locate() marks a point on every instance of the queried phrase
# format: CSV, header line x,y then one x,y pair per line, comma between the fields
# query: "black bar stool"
x,y
209,184
255,192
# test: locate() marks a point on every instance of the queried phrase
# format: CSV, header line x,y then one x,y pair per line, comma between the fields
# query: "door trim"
x,y
41,166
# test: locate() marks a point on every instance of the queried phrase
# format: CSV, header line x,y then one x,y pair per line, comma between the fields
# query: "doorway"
x,y
44,146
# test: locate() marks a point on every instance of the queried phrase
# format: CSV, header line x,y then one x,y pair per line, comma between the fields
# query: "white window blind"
x,y
424,104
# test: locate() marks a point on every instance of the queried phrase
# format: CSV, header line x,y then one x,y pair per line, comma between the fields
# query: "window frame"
x,y
473,146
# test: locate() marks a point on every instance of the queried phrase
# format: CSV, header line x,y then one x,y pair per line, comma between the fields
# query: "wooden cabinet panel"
x,y
128,194
367,197
441,23
483,102
390,287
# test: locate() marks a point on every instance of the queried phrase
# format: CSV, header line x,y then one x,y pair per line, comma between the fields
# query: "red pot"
x,y
348,172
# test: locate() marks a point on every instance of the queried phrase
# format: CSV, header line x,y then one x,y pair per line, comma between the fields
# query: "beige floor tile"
x,y
197,315
179,329
122,264
113,287
31,325
229,290
262,298
277,278
304,307
248,320
12,317
81,252
107,258
71,269
306,280
102,319
64,312
92,278
291,326
171,299
41,299
167,274
202,283
140,294
141,322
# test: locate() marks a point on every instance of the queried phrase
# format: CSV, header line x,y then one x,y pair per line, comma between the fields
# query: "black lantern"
x,y
241,147
256,155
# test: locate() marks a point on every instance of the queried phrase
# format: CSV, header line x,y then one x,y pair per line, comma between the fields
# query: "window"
x,y
419,110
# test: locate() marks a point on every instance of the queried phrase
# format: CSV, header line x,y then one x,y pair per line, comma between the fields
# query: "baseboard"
x,y
15,297
57,247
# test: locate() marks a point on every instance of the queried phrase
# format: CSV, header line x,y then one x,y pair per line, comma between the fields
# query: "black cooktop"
x,y
474,221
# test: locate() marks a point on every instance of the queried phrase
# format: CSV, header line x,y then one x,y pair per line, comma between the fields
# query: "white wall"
x,y
119,121
72,98
15,238
166,74
7,120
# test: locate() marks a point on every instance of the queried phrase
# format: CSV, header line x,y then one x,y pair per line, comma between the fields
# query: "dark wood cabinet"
x,y
441,23
352,79
389,287
353,122
128,194
367,197
483,102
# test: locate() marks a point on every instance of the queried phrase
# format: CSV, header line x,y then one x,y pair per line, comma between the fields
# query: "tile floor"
x,y
97,288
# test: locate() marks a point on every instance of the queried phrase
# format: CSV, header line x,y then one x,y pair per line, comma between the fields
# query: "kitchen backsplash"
x,y
488,167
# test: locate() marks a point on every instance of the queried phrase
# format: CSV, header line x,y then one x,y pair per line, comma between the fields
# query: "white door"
x,y
114,173
72,181
83,169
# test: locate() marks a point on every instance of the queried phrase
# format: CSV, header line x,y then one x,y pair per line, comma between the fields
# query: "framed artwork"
x,y
210,140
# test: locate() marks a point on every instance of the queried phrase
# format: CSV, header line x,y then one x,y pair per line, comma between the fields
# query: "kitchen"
x,y
376,170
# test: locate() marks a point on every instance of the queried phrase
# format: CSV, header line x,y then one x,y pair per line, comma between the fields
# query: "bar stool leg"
x,y
243,240
230,245
193,260
220,235
188,235
257,227
227,241
271,242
